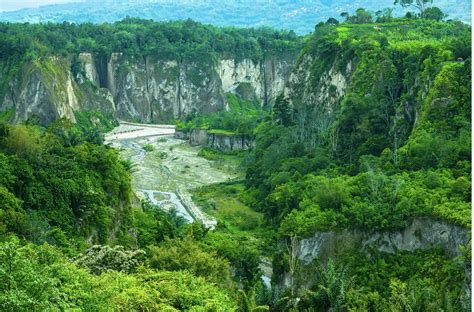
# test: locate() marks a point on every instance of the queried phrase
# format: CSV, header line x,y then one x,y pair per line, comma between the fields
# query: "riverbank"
x,y
171,168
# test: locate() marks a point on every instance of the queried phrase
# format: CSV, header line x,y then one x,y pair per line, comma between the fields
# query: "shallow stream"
x,y
170,168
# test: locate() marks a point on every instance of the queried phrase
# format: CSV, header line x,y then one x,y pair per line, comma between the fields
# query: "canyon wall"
x,y
224,142
142,89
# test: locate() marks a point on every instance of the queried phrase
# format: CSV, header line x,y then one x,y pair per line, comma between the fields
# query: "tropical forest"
x,y
211,156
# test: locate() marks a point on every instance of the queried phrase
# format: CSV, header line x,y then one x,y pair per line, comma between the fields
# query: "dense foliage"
x,y
58,186
59,193
299,16
392,148
40,278
178,40
407,281
395,145
242,117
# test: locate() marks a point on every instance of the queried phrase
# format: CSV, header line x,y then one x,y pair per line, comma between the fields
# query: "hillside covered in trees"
x,y
355,197
299,16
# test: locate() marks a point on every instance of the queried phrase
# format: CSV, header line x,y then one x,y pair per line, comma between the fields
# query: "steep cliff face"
x,y
420,234
321,93
47,89
219,141
146,89
44,88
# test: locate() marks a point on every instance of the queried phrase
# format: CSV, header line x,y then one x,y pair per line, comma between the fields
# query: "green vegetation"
x,y
240,236
232,162
39,277
222,201
66,188
406,281
298,16
149,148
7,115
394,145
60,195
380,167
179,40
242,118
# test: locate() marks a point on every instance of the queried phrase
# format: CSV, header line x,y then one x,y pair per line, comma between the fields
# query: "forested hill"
x,y
369,148
299,16
389,102
139,37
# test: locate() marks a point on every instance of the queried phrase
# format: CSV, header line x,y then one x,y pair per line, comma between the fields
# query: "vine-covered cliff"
x,y
139,70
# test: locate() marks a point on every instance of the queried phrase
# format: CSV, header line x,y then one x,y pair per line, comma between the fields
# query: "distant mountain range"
x,y
300,16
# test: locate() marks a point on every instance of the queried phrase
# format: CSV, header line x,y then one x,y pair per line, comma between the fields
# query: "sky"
x,y
11,5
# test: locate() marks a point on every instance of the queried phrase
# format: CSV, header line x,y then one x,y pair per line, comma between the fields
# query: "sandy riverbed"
x,y
173,167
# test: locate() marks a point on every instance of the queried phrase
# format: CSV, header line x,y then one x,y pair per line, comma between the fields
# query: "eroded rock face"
x,y
145,89
218,141
45,89
228,143
89,67
422,233
321,94
198,137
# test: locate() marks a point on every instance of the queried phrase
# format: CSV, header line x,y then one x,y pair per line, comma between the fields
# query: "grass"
x,y
236,221
221,201
230,162
148,148
222,132
7,115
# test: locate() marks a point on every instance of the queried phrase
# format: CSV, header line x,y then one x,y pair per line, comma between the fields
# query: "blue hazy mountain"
x,y
300,16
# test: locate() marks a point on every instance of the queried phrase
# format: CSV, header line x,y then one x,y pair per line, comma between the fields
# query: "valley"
x,y
180,166
167,172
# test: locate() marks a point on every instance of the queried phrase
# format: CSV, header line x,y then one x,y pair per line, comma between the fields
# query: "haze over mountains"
x,y
300,16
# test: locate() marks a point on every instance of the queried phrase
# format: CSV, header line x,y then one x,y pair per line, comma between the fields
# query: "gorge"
x,y
187,161
145,89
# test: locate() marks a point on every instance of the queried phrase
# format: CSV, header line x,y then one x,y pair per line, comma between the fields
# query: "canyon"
x,y
143,89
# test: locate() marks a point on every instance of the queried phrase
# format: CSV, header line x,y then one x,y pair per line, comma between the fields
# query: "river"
x,y
166,174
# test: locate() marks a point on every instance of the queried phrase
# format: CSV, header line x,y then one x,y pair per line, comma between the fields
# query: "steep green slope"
x,y
61,187
371,137
401,115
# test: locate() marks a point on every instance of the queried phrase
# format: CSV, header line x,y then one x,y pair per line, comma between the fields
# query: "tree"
x,y
98,259
434,13
420,5
11,213
332,21
361,17
248,301
22,140
384,16
282,112
176,255
345,15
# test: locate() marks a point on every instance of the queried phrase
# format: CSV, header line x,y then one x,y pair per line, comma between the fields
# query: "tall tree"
x,y
282,112
420,5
